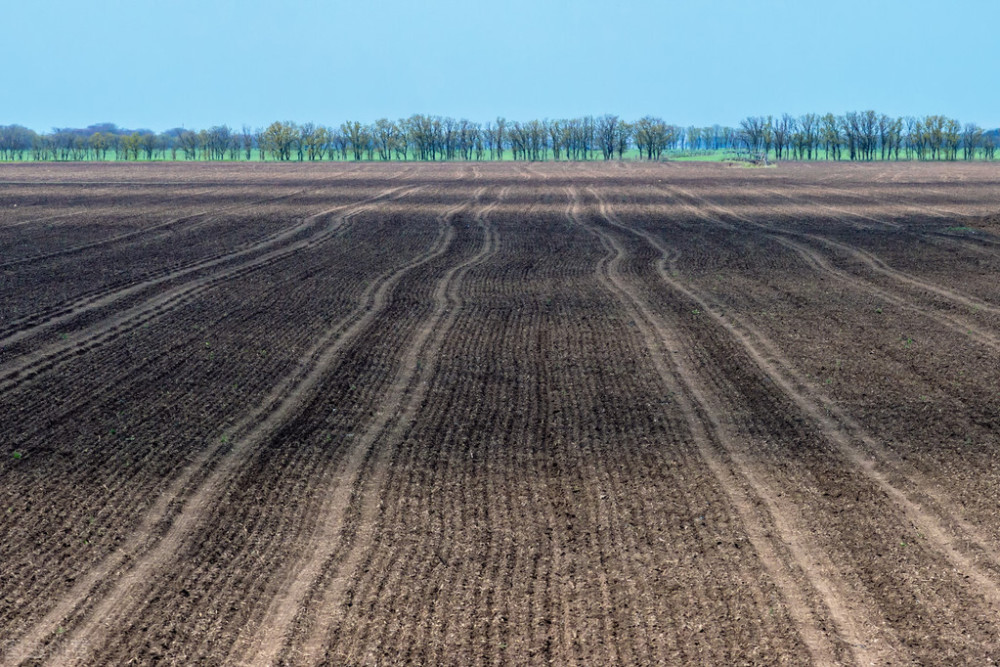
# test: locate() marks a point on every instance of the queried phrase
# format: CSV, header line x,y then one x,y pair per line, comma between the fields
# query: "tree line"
x,y
859,136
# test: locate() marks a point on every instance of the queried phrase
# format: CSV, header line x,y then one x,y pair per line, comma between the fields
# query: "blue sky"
x,y
200,63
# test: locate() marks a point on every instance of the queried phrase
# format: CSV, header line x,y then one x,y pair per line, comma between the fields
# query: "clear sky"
x,y
196,63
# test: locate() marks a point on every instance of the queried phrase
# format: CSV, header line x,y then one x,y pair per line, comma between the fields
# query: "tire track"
x,y
81,208
700,200
363,478
176,514
318,638
875,264
936,211
821,408
984,244
32,364
83,299
66,310
930,511
880,266
20,223
819,264
795,573
151,229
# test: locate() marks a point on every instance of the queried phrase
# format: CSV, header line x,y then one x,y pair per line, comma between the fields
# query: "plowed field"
x,y
499,414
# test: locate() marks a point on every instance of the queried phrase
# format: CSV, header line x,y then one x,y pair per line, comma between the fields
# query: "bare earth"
x,y
499,414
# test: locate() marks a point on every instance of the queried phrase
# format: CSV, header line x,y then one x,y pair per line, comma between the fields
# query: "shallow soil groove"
x,y
934,524
499,414
711,437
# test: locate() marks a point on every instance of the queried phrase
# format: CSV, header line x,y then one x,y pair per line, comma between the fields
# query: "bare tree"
x,y
623,138
652,136
607,130
752,131
783,129
972,137
952,138
279,139
555,130
246,142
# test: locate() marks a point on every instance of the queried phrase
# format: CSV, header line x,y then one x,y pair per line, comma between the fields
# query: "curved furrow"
x,y
145,231
781,234
903,202
879,266
37,362
298,461
490,544
19,223
85,294
546,474
843,211
874,262
982,244
4,226
82,209
180,512
335,550
823,409
819,264
795,572
938,519
82,305
698,201
114,480
82,300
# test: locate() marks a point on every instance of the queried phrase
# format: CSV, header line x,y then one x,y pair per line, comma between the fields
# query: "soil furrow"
x,y
939,520
873,262
879,266
796,578
79,298
959,326
937,515
78,309
141,557
580,413
364,479
186,563
929,507
144,232
780,234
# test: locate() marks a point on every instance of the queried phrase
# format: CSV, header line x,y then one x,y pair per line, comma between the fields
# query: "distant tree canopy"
x,y
855,135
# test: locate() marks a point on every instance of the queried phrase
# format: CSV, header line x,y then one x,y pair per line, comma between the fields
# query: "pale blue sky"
x,y
198,63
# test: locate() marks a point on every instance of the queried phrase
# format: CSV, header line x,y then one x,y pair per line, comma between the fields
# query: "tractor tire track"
x,y
178,511
145,231
877,265
114,608
81,304
935,516
866,198
30,365
11,224
820,265
341,571
982,243
795,573
352,509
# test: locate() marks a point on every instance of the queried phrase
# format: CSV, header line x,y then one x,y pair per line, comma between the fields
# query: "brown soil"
x,y
499,414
